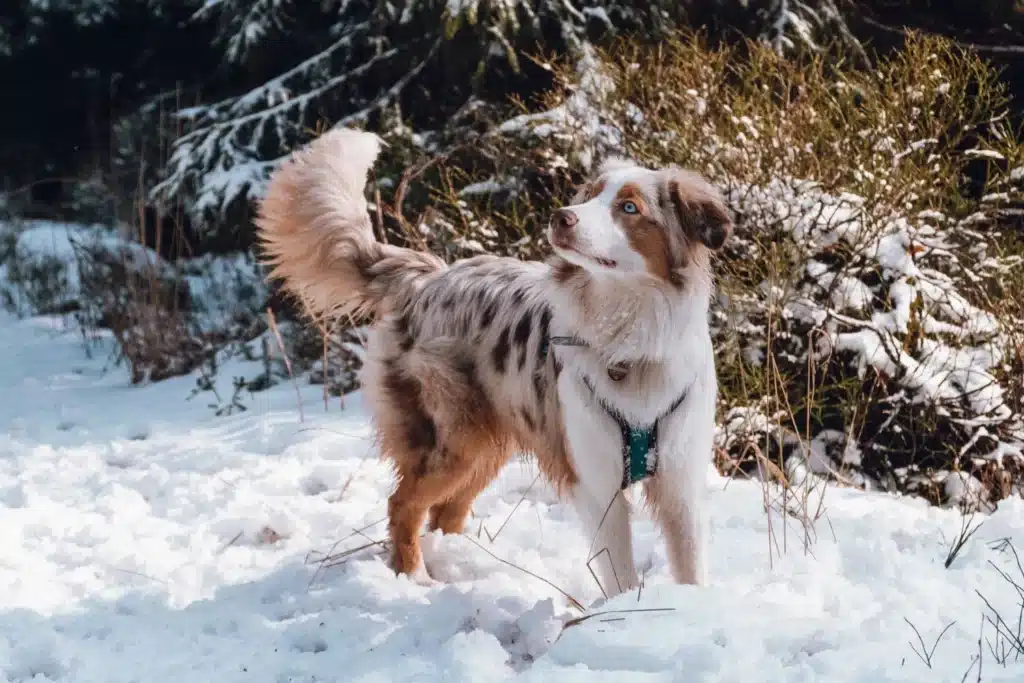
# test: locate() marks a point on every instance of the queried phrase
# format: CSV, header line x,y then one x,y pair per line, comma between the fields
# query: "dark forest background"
x,y
99,94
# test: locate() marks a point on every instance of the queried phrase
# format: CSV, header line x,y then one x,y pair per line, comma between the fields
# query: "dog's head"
x,y
630,220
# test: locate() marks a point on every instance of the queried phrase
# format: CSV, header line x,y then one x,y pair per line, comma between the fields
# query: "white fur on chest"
x,y
684,445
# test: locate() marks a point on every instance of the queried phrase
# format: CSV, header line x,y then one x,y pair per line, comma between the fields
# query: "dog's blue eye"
x,y
630,207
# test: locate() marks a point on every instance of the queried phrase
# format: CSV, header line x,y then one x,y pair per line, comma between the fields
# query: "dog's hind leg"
x,y
407,510
449,516
437,426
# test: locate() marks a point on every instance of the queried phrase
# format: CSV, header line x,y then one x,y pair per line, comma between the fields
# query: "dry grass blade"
x,y
522,498
271,320
640,610
593,574
331,559
572,601
962,538
924,653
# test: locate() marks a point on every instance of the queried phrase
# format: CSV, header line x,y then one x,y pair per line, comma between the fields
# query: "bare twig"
x,y
966,531
925,654
572,601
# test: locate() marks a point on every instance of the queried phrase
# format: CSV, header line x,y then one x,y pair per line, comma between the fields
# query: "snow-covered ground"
x,y
143,538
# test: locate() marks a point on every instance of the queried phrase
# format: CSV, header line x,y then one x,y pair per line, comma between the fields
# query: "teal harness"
x,y
639,443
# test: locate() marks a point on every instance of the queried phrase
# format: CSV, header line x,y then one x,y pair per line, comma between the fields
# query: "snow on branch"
x,y
234,144
245,24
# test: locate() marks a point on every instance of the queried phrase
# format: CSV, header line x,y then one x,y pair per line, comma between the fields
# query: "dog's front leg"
x,y
678,505
601,506
677,493
604,512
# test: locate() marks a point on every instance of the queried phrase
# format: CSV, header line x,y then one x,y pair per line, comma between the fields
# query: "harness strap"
x,y
639,444
561,341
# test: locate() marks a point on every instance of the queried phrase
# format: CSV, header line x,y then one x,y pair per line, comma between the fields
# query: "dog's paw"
x,y
421,577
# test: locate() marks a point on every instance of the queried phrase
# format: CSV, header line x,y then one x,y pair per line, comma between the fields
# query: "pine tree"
x,y
355,60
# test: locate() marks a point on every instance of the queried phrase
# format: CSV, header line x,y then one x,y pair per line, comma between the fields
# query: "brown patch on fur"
x,y
647,235
589,190
699,209
564,271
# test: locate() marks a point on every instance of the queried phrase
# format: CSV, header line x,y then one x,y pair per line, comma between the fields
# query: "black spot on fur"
x,y
449,302
522,335
539,385
421,433
406,338
404,391
466,366
543,336
558,367
528,419
499,354
488,316
518,296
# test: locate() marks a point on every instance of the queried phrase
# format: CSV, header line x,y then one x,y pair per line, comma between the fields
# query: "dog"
x,y
598,361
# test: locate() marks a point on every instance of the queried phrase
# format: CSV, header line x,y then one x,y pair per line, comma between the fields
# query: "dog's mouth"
x,y
606,262
599,260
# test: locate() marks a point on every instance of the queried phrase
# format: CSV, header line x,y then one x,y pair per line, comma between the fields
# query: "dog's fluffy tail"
x,y
315,227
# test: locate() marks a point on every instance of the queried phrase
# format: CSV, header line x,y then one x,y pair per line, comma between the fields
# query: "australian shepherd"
x,y
599,361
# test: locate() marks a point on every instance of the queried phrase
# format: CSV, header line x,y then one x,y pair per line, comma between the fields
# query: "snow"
x,y
146,539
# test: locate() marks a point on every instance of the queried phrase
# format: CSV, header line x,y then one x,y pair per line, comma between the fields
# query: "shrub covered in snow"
x,y
165,317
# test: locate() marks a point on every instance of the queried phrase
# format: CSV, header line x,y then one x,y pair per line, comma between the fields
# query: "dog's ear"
x,y
698,206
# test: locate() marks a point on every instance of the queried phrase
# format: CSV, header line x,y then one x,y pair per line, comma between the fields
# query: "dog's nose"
x,y
564,219
563,223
